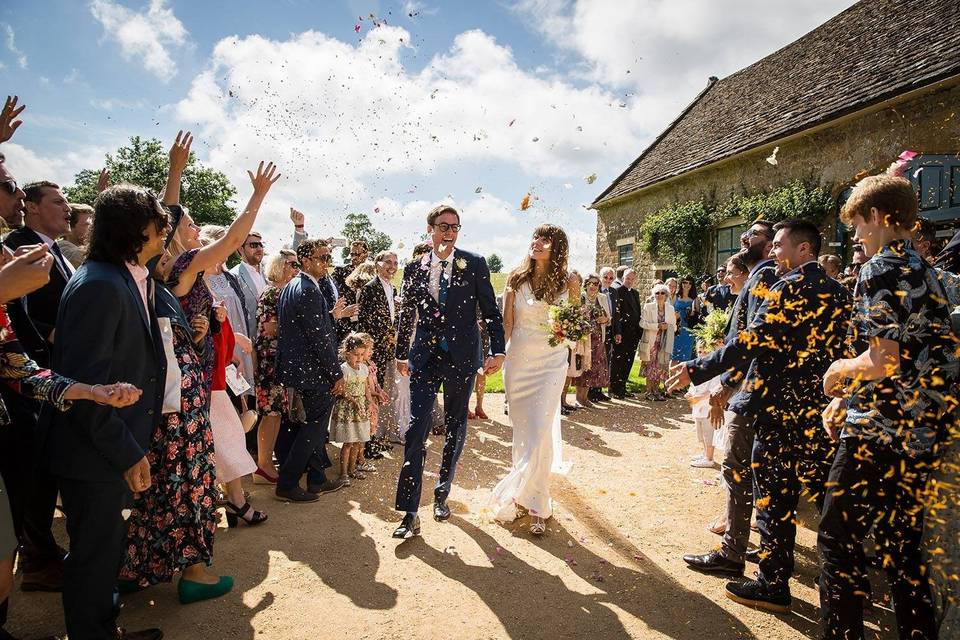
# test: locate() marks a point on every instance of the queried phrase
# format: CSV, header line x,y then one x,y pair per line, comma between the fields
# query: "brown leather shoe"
x,y
145,634
50,578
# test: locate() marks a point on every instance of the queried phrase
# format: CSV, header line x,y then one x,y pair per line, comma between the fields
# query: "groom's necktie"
x,y
442,297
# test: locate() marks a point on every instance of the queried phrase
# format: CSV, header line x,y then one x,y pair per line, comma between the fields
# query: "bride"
x,y
534,374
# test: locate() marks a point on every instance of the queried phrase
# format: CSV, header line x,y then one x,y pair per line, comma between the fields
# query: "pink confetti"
x,y
907,156
356,28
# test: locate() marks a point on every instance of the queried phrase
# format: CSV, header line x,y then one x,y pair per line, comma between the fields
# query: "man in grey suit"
x,y
252,281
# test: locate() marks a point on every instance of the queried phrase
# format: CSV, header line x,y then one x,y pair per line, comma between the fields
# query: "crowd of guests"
x,y
196,376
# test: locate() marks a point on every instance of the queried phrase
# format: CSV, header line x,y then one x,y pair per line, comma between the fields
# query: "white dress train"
x,y
534,374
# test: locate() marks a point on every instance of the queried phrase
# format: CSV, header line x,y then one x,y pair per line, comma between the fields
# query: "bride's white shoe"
x,y
538,527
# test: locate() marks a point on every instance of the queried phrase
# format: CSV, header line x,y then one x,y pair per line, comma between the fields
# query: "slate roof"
x,y
873,51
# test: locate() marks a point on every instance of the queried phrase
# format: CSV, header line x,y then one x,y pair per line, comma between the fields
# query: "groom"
x,y
442,293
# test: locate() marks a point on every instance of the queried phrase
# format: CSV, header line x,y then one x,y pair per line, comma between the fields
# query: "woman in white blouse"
x,y
659,322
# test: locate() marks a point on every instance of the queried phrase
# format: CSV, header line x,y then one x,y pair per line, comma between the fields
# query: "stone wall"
x,y
929,124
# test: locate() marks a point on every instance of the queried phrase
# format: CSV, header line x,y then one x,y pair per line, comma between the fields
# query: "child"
x,y
698,395
350,422
378,397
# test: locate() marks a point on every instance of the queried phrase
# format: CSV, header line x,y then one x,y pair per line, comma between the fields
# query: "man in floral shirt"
x,y
894,403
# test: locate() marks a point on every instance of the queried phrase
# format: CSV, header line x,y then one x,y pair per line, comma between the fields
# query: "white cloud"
x,y
11,42
146,35
28,165
660,54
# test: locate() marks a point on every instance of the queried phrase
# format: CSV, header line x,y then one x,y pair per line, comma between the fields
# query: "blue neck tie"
x,y
442,297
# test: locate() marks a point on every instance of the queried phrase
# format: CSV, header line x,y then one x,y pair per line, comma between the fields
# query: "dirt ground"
x,y
609,566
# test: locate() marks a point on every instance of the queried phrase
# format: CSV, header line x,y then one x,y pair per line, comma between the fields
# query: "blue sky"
x,y
390,120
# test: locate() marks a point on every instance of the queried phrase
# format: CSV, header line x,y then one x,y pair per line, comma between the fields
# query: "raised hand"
x,y
103,181
8,121
263,180
297,217
180,152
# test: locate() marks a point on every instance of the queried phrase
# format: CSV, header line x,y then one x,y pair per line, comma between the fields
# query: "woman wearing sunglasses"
x,y
659,322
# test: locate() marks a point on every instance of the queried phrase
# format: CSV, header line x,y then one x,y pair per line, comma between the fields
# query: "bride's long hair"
x,y
556,280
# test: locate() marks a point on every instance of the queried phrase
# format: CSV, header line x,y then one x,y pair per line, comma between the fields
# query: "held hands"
x,y
403,368
662,326
180,152
492,365
833,417
138,476
8,123
118,395
679,378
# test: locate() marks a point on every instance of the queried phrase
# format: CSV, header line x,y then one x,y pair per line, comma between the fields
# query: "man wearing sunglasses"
x,y
250,274
11,197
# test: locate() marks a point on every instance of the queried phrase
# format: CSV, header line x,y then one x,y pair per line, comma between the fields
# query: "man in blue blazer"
x,y
307,361
443,292
106,330
798,330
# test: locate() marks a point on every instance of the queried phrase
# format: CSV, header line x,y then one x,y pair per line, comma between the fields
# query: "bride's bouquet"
x,y
569,324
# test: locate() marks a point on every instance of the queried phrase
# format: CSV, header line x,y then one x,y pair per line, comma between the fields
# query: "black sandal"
x,y
235,514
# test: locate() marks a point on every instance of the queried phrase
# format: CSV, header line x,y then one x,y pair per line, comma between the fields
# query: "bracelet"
x,y
92,390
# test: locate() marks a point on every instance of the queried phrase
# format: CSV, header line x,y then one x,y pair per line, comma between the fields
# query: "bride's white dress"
x,y
534,373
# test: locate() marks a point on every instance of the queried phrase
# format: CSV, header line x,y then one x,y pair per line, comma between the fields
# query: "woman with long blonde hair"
x,y
534,375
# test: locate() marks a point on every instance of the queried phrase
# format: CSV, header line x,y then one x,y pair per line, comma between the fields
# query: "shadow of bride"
x,y
534,603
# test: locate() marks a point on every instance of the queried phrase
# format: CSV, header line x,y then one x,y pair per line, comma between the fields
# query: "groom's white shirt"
x,y
434,286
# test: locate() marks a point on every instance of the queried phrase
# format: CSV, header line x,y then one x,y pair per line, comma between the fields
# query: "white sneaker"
x,y
367,466
702,463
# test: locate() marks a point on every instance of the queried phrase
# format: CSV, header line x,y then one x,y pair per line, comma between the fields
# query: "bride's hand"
x,y
492,365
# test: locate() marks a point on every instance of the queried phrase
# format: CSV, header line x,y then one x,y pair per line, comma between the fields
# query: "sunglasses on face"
x,y
354,254
326,257
660,293
444,227
10,186
293,264
255,245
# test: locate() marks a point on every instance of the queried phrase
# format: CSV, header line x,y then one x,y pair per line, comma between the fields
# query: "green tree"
x,y
495,263
205,191
358,226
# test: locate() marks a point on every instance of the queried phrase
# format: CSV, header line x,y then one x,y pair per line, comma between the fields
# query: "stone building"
x,y
847,98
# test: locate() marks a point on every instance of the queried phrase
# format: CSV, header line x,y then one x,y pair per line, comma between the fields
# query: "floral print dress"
x,y
271,396
172,523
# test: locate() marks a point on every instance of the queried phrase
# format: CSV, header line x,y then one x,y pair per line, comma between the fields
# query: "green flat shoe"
x,y
190,591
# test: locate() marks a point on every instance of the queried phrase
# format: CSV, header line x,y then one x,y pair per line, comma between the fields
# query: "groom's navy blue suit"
x,y
446,350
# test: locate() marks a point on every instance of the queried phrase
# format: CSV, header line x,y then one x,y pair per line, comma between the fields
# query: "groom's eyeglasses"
x,y
10,186
444,227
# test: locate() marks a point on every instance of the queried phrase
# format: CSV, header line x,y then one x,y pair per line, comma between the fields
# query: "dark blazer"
x,y
798,331
104,335
761,278
374,317
627,311
614,327
41,305
307,341
456,321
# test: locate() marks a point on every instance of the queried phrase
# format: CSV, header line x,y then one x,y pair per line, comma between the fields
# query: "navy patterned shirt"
x,y
899,297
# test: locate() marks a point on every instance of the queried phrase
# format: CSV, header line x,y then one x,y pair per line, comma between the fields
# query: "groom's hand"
x,y
403,368
492,365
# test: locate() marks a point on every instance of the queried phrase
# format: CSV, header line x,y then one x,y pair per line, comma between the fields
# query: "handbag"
x,y
171,387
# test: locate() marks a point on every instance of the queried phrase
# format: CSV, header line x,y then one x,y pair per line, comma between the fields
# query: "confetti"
x,y
591,178
772,158
525,203
478,190
511,122
356,28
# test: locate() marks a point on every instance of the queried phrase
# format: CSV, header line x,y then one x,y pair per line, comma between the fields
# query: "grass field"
x,y
635,384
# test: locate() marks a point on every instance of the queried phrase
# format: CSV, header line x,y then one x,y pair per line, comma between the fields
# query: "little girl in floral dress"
x,y
350,423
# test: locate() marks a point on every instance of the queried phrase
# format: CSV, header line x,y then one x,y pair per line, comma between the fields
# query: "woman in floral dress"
x,y
171,524
271,396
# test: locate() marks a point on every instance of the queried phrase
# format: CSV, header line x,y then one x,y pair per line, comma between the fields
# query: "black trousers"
x,y
622,362
97,532
871,486
31,487
304,448
457,384
785,458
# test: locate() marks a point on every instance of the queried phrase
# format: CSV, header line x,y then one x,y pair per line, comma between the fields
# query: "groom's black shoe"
x,y
409,527
714,562
441,511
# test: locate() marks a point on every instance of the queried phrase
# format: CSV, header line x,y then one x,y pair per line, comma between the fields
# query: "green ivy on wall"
x,y
681,234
